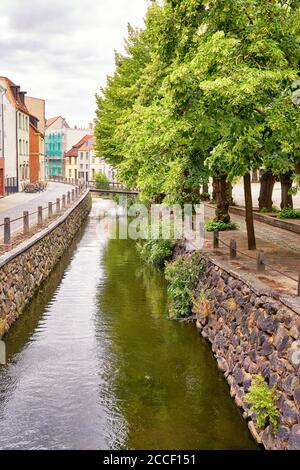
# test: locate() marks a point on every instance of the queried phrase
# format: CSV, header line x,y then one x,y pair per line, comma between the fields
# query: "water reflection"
x,y
94,363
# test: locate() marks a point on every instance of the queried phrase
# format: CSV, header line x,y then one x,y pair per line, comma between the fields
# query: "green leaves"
x,y
203,90
263,402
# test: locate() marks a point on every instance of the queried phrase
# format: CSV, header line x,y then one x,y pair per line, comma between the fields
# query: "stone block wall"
x,y
254,331
22,273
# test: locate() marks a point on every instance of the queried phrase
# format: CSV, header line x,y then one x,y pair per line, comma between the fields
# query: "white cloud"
x,y
62,50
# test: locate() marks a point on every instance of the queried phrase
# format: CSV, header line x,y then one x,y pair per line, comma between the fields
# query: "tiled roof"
x,y
15,100
51,121
73,152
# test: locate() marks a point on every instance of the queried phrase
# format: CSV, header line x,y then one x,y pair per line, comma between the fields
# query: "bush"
x,y
102,182
263,402
213,225
35,187
265,210
156,252
289,213
182,276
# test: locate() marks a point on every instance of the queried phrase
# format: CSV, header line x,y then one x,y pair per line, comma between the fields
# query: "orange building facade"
x,y
35,138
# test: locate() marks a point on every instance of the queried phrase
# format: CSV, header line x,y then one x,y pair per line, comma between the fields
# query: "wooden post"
x,y
233,249
57,205
40,215
249,212
25,222
63,201
7,231
50,210
216,239
261,262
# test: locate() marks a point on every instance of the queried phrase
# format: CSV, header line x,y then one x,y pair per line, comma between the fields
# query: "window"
x,y
81,155
20,147
87,167
20,121
81,166
26,120
23,121
87,155
70,173
27,152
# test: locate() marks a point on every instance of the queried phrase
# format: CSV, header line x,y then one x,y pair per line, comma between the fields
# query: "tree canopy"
x,y
205,88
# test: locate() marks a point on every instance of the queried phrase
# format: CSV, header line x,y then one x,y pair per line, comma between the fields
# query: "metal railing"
x,y
60,204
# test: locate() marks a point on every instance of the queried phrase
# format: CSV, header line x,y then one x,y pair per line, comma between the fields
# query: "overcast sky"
x,y
62,50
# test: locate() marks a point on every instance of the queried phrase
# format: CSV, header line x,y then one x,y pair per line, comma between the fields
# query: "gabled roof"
x,y
15,97
51,121
89,144
73,152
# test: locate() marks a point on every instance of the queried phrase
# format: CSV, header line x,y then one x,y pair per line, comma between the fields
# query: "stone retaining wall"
x,y
254,332
24,269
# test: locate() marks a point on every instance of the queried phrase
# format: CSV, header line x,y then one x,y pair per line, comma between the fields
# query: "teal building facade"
x,y
54,153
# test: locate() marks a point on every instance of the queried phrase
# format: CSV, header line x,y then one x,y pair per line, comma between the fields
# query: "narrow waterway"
x,y
94,363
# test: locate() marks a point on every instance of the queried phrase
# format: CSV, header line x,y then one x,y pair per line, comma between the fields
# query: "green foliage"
x,y
289,213
265,210
213,225
203,91
156,252
182,276
102,182
263,402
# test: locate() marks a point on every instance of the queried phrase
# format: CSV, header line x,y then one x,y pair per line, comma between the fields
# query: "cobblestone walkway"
x,y
281,248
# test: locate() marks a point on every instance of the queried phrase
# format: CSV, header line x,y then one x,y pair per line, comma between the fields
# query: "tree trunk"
x,y
205,188
267,181
229,194
255,176
286,185
214,197
249,212
222,200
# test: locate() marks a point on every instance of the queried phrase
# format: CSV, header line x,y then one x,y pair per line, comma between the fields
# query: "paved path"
x,y
282,250
13,206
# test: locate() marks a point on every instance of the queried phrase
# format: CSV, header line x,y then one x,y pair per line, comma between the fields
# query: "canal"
x,y
95,363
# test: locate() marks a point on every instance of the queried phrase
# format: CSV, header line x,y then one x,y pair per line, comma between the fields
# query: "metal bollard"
x,y
40,215
76,192
7,231
73,195
25,222
216,239
68,198
233,249
63,201
261,262
50,209
57,205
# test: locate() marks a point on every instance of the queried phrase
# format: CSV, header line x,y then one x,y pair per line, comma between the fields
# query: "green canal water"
x,y
95,363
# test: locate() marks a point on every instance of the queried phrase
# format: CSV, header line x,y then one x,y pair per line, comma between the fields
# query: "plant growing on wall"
x,y
263,400
182,276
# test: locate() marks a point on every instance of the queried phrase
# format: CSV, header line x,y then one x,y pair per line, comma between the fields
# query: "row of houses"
x,y
33,149
22,129
70,152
